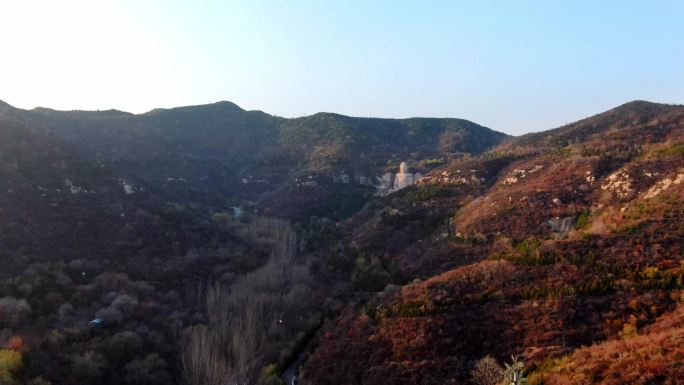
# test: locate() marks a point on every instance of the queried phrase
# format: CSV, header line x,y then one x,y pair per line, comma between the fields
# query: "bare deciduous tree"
x,y
487,371
242,314
202,359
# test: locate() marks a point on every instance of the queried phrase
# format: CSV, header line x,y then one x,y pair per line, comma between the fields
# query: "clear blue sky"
x,y
515,66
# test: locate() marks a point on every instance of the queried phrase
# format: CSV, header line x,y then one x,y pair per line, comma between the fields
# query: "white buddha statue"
x,y
403,178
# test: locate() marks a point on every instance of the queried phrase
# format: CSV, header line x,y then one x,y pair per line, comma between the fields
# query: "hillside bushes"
x,y
653,356
425,192
370,275
10,363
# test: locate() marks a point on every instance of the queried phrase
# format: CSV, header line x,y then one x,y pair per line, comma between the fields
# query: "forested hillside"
x,y
545,245
213,245
132,244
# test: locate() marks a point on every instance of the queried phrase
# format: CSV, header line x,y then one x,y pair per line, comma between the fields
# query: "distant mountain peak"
x,y
635,104
5,105
223,106
227,104
638,102
640,106
5,108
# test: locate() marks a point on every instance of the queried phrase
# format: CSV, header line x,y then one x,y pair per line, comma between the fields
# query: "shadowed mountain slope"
x,y
210,153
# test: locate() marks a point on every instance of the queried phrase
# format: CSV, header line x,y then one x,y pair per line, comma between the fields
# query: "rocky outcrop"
x,y
519,174
454,178
663,185
385,184
618,183
345,178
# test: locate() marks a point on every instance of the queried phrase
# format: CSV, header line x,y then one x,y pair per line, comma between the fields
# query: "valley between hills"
x,y
212,245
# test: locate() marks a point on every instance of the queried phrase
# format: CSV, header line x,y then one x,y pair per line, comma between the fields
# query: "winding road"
x,y
290,374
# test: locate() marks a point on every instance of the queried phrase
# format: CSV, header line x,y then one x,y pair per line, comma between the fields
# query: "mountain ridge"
x,y
630,105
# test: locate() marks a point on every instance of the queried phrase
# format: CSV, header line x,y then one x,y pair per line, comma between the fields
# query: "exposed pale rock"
x,y
363,180
127,187
510,180
663,185
251,179
518,174
448,178
72,187
589,178
385,182
618,183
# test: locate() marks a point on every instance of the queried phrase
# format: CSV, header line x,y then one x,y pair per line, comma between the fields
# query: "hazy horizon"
x,y
514,67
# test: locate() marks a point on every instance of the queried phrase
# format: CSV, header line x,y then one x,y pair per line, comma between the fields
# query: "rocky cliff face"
x,y
386,183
